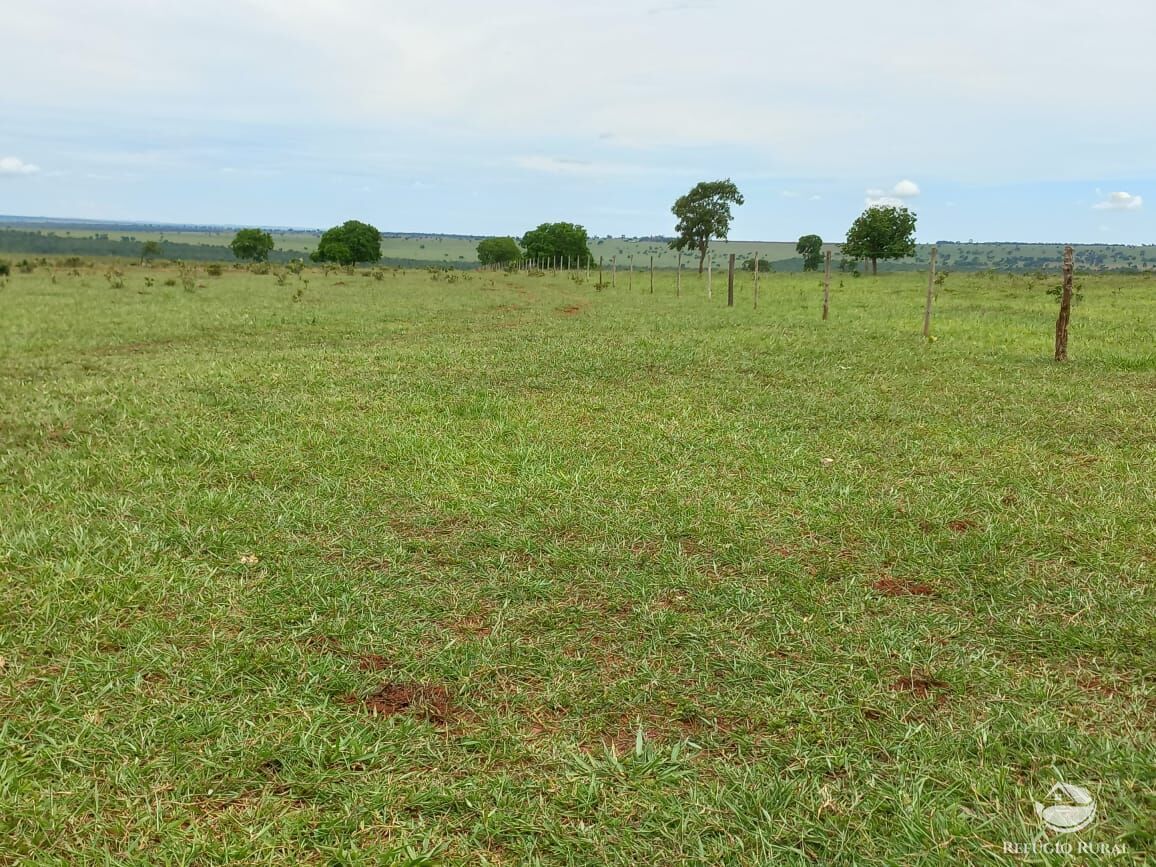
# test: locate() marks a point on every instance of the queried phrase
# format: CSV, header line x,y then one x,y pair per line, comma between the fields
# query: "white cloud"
x,y
585,168
17,166
896,197
884,202
905,189
1120,202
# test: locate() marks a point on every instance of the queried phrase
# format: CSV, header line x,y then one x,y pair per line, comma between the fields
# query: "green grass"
x,y
663,582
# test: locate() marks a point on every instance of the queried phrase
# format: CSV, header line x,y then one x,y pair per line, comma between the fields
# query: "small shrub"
x,y
296,266
259,268
25,267
214,270
188,277
5,268
115,278
281,277
73,262
1057,292
149,282
170,282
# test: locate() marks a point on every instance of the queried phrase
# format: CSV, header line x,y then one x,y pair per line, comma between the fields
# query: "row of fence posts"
x,y
558,264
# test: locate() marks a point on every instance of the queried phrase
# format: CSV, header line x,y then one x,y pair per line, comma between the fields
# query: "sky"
x,y
1024,120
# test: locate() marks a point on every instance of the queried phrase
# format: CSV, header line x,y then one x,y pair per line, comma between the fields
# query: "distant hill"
x,y
47,236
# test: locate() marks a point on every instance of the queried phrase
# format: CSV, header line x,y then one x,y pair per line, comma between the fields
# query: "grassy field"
x,y
507,570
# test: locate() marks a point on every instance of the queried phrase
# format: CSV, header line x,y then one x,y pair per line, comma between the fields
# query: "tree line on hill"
x,y
704,214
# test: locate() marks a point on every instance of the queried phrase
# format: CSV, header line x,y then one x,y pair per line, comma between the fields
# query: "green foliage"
x,y
810,247
252,245
214,269
704,213
565,240
150,250
765,265
499,251
5,268
348,244
881,232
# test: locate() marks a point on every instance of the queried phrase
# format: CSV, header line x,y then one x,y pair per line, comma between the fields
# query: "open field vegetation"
x,y
426,567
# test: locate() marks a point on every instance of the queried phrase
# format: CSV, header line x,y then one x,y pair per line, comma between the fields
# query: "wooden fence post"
x,y
731,282
1065,307
827,284
930,293
756,279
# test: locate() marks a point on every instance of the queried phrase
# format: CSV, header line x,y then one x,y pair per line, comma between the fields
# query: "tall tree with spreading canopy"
x,y
564,240
881,232
499,251
252,244
810,247
348,244
150,250
704,213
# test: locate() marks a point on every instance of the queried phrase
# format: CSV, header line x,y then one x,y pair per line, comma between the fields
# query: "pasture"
x,y
488,569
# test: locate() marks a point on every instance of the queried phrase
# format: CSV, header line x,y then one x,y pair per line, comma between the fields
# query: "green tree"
x,y
881,232
704,213
252,244
810,247
499,251
557,239
348,244
150,250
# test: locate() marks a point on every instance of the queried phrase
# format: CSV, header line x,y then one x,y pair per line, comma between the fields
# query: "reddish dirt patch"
x,y
920,685
1097,684
962,525
570,309
691,547
322,644
372,662
621,739
890,586
429,702
474,626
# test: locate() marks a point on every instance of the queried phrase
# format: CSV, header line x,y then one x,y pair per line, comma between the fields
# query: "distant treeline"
x,y
953,255
18,241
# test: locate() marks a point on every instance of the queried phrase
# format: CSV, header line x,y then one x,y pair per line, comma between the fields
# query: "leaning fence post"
x,y
827,284
731,282
930,292
1065,307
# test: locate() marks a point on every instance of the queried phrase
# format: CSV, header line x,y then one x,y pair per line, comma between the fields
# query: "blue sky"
x,y
992,119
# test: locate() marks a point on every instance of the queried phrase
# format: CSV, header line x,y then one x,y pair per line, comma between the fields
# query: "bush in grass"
x,y
5,268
